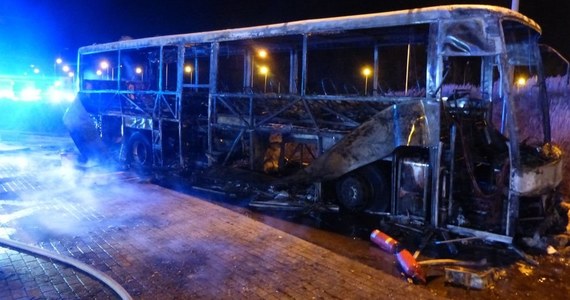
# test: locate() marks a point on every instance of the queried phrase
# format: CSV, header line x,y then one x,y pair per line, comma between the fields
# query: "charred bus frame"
x,y
439,130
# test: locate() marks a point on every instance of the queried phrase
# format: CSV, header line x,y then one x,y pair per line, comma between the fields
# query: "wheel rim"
x,y
353,193
140,153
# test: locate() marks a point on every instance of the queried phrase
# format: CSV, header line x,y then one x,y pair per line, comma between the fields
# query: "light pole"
x,y
262,53
71,75
139,71
263,70
188,70
520,83
58,61
366,72
515,5
105,66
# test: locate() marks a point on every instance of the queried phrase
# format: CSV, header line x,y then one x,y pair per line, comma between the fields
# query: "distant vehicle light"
x,y
37,89
30,94
56,96
7,93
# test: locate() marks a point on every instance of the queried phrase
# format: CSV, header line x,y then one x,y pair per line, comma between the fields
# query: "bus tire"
x,y
139,152
364,188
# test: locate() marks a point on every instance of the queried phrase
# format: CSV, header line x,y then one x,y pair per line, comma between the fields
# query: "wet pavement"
x,y
155,242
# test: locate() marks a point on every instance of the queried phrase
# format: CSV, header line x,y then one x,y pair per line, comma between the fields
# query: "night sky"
x,y
39,31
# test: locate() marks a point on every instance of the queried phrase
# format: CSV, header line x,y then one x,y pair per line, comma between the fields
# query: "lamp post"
x,y
366,72
71,76
520,83
139,71
105,66
515,5
264,70
188,69
58,61
262,54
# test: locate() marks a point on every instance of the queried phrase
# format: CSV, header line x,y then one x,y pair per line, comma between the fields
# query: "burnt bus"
x,y
414,115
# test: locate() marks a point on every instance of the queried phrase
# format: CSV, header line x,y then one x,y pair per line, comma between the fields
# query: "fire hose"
x,y
100,276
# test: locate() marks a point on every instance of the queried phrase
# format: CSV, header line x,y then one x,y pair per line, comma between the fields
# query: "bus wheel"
x,y
364,188
139,152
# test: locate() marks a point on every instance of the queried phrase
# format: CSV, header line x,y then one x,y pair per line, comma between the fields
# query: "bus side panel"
x,y
404,124
84,130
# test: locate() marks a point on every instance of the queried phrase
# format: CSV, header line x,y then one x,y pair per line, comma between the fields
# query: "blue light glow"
x,y
38,88
56,95
30,93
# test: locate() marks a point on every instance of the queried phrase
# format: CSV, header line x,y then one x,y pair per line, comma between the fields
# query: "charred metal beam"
x,y
484,235
263,121
385,19
213,89
232,148
373,140
233,111
311,117
341,116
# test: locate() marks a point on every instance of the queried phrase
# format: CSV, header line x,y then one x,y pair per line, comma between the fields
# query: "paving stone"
x,y
161,244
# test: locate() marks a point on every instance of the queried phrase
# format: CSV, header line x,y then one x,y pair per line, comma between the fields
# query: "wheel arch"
x,y
138,149
367,188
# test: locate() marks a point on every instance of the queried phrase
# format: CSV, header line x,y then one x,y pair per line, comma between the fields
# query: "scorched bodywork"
x,y
435,134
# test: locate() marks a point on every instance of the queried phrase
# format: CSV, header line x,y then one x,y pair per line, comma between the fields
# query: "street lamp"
x,y
65,68
262,53
264,70
366,72
105,66
520,83
188,70
58,61
139,71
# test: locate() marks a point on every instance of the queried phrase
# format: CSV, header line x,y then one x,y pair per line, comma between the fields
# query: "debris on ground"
x,y
525,269
469,278
406,261
551,250
536,242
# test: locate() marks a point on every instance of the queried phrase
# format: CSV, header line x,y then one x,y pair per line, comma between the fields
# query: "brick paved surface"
x,y
157,243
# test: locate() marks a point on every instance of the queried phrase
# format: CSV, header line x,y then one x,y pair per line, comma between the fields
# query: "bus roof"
x,y
382,19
